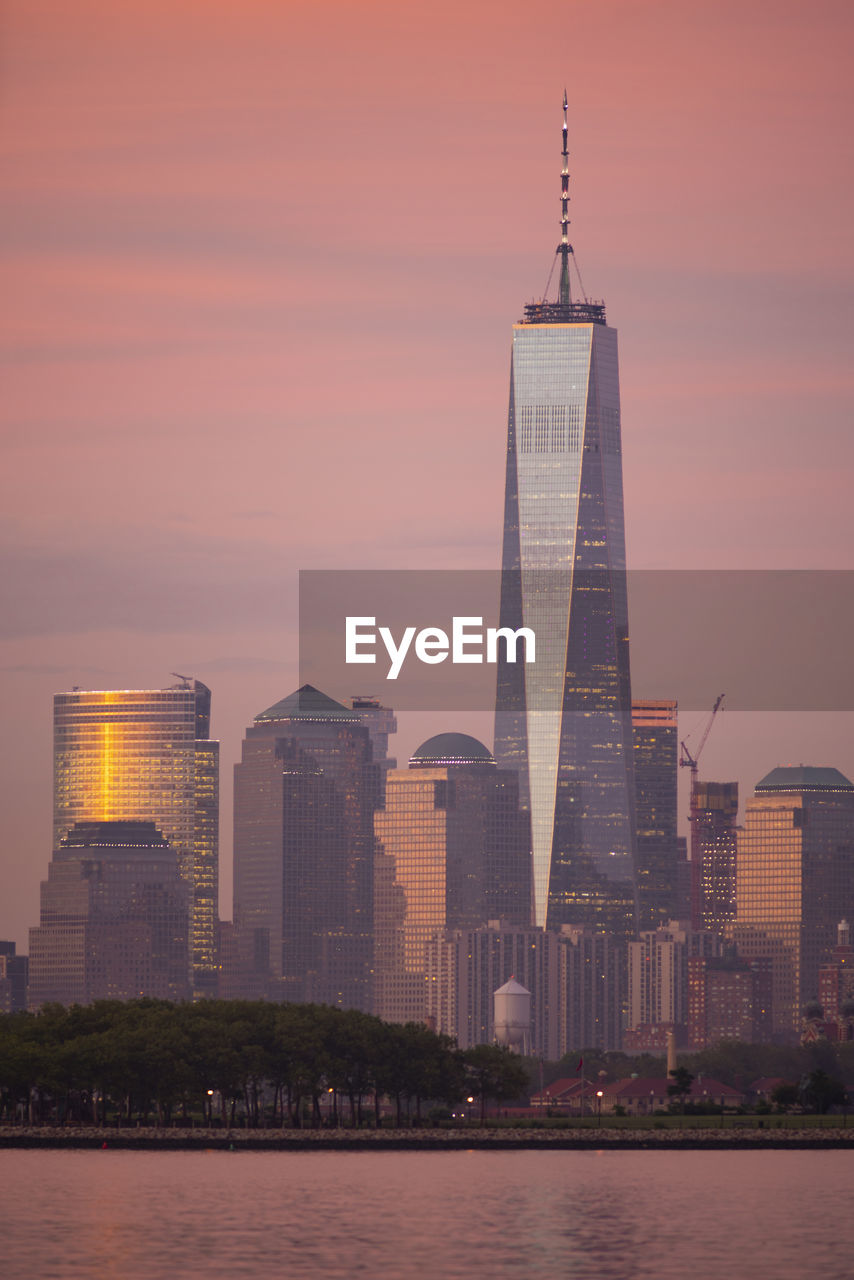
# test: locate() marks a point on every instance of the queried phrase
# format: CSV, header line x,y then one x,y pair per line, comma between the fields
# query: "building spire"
x,y
564,248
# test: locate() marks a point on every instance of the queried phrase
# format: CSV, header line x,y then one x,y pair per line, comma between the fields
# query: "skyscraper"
x,y
305,791
659,850
114,918
565,722
454,854
714,812
146,755
794,880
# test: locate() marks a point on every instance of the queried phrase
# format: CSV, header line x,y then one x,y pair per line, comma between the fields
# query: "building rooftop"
x,y
803,778
451,748
116,834
307,703
564,313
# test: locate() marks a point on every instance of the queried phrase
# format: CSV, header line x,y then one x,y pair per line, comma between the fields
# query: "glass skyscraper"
x,y
794,881
305,792
565,722
146,755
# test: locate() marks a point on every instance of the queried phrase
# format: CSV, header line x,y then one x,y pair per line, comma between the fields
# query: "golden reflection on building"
x,y
146,754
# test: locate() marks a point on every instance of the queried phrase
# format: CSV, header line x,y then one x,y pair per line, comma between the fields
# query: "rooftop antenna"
x,y
564,248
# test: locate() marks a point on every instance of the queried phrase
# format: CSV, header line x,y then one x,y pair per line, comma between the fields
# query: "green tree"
x,y
494,1074
681,1086
820,1092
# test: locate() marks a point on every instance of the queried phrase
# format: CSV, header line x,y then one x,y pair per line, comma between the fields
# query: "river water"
x,y
590,1215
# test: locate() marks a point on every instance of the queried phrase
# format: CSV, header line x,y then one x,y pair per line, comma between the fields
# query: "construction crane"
x,y
686,760
689,761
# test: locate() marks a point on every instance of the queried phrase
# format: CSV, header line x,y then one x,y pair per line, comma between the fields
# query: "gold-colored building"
x,y
794,880
146,755
454,853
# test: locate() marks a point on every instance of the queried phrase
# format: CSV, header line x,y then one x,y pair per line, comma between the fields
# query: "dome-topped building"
x,y
455,854
445,750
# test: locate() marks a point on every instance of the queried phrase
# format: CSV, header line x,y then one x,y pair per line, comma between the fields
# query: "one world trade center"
x,y
565,722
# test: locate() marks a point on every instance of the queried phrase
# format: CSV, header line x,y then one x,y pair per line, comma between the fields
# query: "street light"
x,y
599,1108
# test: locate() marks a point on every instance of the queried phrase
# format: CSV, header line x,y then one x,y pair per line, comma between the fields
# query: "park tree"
x,y
495,1074
820,1092
680,1087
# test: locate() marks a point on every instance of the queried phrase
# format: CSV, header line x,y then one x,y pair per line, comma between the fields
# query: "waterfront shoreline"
x,y
497,1139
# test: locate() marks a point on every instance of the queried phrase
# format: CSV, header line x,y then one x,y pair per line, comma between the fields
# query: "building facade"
x,y
660,852
466,967
114,918
728,999
452,854
14,979
714,839
146,755
564,722
794,880
576,978
305,792
658,972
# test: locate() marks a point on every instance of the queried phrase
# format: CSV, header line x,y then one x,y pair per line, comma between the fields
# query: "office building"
x,y
145,755
114,918
660,852
592,996
564,722
466,967
836,984
728,999
14,978
658,972
381,724
794,880
305,791
714,837
576,978
453,853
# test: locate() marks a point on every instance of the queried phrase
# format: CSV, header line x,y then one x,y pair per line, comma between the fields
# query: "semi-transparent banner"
x,y
771,640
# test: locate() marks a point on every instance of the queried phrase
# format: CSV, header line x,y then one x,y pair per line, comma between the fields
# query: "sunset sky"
x,y
261,263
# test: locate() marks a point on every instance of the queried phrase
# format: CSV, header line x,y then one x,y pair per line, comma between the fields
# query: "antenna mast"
x,y
564,248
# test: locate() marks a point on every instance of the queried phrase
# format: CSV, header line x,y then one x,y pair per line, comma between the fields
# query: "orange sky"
x,y
263,260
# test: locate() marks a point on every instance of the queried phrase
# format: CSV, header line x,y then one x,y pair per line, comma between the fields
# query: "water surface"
x,y
592,1215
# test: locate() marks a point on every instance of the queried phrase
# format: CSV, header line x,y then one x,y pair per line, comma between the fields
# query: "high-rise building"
x,y
576,978
453,853
592,989
794,880
381,724
564,722
465,967
114,918
146,755
727,999
658,972
714,835
14,977
836,983
305,791
659,849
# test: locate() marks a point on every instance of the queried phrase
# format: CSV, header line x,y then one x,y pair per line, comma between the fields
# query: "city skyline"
x,y
192,231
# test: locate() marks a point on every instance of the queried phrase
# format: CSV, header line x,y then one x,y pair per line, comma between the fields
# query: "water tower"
x,y
512,1016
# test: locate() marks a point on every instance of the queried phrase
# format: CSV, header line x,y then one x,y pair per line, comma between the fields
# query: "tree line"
x,y
230,1061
